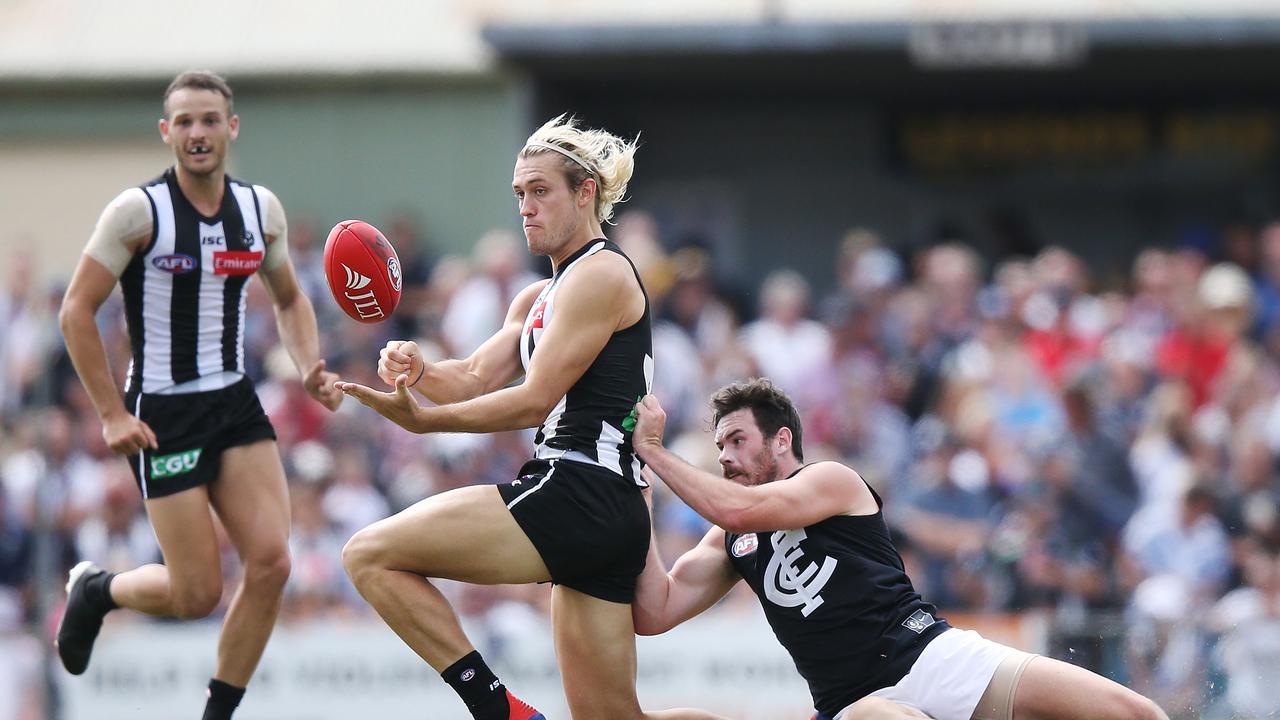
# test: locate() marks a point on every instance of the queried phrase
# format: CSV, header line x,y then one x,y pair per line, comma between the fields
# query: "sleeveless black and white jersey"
x,y
838,599
589,424
184,295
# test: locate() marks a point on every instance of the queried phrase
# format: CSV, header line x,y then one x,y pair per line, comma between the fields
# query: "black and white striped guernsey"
x,y
589,424
184,295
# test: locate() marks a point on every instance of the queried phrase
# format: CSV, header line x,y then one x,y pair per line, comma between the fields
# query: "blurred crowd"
x,y
1105,452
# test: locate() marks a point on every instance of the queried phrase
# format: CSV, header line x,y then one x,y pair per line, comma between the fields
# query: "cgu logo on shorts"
x,y
175,464
176,263
236,262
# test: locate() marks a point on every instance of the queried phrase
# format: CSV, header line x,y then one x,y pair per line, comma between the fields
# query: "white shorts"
x,y
950,676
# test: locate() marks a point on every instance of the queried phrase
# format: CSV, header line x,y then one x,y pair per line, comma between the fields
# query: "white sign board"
x,y
728,663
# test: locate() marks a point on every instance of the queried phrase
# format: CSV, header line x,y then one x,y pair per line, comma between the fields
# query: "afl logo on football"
x,y
393,271
176,264
745,545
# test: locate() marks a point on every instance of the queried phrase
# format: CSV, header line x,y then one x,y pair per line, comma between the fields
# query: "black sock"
x,y
223,699
97,590
479,688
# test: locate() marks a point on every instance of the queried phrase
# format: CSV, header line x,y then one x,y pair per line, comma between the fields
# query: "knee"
x,y
199,600
269,574
878,708
1126,704
1137,707
360,555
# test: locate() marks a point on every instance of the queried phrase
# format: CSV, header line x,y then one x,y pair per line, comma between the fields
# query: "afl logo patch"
x,y
176,263
745,545
468,674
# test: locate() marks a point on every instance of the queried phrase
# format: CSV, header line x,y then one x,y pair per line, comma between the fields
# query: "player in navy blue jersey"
x,y
811,542
575,515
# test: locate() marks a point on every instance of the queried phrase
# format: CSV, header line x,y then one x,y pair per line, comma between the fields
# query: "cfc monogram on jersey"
x,y
589,424
838,598
184,295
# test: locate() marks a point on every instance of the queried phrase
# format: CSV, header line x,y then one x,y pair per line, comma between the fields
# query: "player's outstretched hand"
x,y
320,386
651,422
398,406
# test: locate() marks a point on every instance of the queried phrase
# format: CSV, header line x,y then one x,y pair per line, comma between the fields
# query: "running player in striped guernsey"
x,y
575,516
182,248
811,542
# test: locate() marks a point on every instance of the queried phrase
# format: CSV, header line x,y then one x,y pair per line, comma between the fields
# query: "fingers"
x,y
355,390
315,369
392,363
326,394
148,437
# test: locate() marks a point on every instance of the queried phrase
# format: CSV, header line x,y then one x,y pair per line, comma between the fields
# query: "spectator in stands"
x,y
785,344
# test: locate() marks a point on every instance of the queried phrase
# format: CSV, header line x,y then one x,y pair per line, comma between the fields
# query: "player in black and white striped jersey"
x,y
183,247
575,516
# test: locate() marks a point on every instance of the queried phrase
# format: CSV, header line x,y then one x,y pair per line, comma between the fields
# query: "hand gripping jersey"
x,y
184,294
838,599
589,424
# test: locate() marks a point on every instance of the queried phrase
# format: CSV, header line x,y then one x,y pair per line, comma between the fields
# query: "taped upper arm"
x,y
276,227
123,228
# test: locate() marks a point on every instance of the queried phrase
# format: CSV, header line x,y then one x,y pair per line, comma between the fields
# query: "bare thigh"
x,y
467,534
878,708
184,530
1054,690
596,650
251,498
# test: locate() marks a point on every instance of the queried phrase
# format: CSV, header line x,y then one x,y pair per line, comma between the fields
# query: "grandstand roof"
x,y
78,40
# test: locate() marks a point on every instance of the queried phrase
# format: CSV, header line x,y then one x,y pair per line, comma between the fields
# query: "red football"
x,y
363,271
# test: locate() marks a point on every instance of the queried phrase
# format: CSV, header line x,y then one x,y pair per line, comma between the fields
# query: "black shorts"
x,y
192,430
590,525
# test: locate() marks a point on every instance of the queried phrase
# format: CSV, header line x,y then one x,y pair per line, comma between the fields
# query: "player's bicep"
x,y
817,492
91,285
276,228
497,361
281,283
589,308
699,579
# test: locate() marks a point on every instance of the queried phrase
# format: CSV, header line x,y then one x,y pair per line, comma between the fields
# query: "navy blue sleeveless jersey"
x,y
840,602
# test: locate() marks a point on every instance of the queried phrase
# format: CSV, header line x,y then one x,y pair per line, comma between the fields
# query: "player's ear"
x,y
233,123
164,130
782,440
587,192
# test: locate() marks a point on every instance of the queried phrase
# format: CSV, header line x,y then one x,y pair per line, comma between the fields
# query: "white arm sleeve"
x,y
125,221
276,226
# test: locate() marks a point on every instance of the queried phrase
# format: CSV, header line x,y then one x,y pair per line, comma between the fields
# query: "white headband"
x,y
567,153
